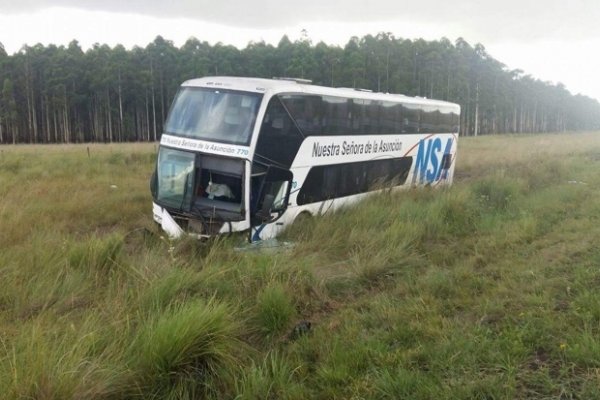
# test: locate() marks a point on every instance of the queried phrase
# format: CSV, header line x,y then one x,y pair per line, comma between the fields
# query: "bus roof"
x,y
275,86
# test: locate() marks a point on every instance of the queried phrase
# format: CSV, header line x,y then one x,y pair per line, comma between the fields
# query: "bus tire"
x,y
303,217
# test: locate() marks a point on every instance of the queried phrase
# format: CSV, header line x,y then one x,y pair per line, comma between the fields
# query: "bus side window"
x,y
411,119
279,139
391,119
455,122
337,115
326,182
433,121
365,117
306,111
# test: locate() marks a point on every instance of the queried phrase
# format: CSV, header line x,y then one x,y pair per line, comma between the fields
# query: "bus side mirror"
x,y
274,194
265,212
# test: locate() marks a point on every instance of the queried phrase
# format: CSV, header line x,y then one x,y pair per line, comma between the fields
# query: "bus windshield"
x,y
214,114
174,175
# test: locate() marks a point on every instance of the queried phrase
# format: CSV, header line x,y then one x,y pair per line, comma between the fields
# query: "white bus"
x,y
248,154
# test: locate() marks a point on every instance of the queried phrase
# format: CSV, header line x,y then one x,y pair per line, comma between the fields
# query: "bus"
x,y
249,154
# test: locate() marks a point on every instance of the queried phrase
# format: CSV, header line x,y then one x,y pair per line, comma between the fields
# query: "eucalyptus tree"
x,y
9,110
63,94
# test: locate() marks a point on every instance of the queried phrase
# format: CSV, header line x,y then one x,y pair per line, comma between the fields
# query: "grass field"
x,y
487,290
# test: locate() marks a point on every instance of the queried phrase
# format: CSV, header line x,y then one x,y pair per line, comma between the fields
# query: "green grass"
x,y
488,289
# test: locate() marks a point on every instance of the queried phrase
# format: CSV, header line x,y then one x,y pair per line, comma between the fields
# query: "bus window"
x,y
337,116
358,111
371,119
365,117
339,180
391,118
218,115
446,121
433,120
306,111
279,139
410,118
455,122
427,122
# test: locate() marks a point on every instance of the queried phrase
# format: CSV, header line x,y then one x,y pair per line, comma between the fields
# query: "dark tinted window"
x,y
455,118
365,117
429,120
279,139
410,119
336,116
307,111
390,120
446,122
328,115
332,181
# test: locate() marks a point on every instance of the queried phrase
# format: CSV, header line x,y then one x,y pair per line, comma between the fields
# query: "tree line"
x,y
62,94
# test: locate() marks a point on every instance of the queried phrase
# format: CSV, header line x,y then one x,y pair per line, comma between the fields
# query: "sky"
x,y
553,40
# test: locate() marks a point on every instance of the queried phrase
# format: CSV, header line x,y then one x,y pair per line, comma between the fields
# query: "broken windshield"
x,y
174,176
214,114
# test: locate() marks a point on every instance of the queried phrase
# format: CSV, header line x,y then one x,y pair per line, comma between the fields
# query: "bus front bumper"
x,y
167,223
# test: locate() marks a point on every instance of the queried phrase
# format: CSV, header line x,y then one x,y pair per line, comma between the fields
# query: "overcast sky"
x,y
555,40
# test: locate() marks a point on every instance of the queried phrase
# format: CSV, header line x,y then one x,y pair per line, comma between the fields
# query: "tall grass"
x,y
274,309
188,351
487,289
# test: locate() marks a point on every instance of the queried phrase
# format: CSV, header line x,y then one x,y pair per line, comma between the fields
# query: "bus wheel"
x,y
303,218
301,226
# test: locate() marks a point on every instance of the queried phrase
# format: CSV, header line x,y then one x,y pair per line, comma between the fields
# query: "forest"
x,y
63,94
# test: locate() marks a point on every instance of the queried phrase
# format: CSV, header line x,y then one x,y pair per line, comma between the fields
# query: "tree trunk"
x,y
147,118
109,117
34,117
120,111
476,127
162,100
153,110
66,125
